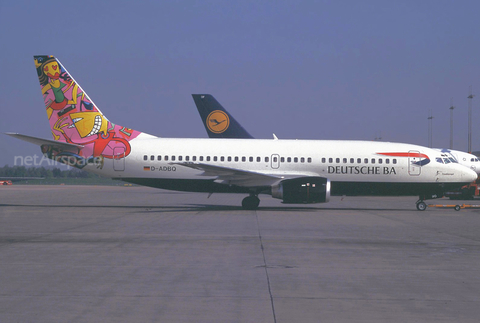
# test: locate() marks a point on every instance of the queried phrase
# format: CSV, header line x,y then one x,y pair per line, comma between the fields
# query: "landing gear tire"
x,y
457,208
421,206
250,202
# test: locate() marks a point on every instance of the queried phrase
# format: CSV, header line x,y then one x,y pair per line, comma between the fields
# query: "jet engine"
x,y
302,190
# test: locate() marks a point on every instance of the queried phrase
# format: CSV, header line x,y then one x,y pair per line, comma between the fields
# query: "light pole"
x,y
451,123
470,97
430,130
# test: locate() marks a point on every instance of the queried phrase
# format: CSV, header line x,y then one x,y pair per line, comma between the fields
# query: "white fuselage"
x,y
339,161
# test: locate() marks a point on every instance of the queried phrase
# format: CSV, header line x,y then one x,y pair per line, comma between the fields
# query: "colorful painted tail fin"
x,y
217,121
73,116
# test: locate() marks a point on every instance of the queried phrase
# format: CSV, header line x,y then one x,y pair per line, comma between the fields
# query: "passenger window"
x,y
359,160
387,161
337,160
394,161
173,158
166,158
275,159
302,160
380,161
208,158
309,159
187,158
152,157
194,158
330,160
222,158
215,158
373,160
180,158
344,160
324,160
352,160
229,158
259,159
295,160
145,157
159,157
289,159
365,160
236,158
250,159
201,158
282,159
267,159
244,159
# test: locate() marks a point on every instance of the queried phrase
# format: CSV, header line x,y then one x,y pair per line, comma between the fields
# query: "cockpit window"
x,y
439,160
453,160
446,160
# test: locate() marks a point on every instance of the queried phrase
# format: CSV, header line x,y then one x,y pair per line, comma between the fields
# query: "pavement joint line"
x,y
266,268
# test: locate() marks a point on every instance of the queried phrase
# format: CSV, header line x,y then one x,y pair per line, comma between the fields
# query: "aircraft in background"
x,y
469,160
295,171
218,122
207,107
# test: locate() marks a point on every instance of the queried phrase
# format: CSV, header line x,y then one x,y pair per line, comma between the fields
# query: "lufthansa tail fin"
x,y
217,121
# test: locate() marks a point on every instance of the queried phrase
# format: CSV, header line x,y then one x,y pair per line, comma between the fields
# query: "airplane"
x,y
295,171
468,160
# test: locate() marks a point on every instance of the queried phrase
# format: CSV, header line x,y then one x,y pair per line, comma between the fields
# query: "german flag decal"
x,y
146,168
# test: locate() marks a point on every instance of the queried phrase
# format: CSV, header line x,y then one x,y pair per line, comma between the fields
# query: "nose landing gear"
x,y
421,205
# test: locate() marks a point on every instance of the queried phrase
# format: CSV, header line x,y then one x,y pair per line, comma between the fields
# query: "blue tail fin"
x,y
217,121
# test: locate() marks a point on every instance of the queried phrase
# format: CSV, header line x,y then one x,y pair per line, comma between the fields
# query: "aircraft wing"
x,y
41,141
232,176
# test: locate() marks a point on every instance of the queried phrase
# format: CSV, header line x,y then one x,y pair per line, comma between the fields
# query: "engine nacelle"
x,y
302,190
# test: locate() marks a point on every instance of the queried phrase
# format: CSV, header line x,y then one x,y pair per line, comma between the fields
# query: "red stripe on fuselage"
x,y
411,154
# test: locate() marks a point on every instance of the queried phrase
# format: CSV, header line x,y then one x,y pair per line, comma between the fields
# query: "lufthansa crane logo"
x,y
217,121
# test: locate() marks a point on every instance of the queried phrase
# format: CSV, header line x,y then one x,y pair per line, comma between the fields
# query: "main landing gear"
x,y
250,202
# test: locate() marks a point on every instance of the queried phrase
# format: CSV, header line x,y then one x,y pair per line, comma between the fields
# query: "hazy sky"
x,y
299,69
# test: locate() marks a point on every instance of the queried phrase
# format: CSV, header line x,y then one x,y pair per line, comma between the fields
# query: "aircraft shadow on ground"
x,y
205,207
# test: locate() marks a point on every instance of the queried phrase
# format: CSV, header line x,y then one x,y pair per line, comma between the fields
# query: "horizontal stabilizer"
x,y
41,141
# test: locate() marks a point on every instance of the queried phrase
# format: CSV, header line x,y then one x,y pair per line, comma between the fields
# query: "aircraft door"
x,y
275,161
414,159
119,158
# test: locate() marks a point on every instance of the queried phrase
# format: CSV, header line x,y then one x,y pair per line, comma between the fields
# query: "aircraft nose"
x,y
469,175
